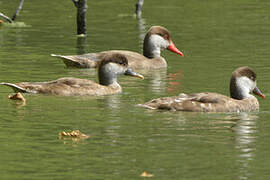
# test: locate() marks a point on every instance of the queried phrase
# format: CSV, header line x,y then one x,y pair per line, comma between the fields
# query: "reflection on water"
x,y
12,36
245,141
19,104
174,84
18,108
112,103
138,10
244,130
156,80
141,28
81,43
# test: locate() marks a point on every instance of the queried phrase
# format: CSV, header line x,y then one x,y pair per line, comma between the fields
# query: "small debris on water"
x,y
17,96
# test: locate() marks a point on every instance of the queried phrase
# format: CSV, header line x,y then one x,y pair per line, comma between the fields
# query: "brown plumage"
x,y
110,67
243,82
156,39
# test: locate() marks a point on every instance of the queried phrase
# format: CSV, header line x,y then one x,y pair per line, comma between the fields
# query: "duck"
x,y
109,69
156,39
242,83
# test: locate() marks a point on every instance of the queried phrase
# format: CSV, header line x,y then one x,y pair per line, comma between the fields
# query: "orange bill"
x,y
258,92
174,49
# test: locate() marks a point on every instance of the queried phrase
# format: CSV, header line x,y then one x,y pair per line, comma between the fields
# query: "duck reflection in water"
x,y
245,130
174,84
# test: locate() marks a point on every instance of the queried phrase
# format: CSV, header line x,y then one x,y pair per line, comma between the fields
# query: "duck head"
x,y
113,65
156,39
243,82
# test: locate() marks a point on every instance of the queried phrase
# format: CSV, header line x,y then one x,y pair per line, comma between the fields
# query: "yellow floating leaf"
x,y
146,174
73,134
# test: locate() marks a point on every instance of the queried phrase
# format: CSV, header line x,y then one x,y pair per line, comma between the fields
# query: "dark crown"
x,y
245,71
114,58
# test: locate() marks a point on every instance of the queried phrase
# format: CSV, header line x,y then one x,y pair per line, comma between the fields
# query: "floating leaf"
x,y
146,174
73,134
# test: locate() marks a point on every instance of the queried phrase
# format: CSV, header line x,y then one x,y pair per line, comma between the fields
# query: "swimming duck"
x,y
109,69
156,39
243,82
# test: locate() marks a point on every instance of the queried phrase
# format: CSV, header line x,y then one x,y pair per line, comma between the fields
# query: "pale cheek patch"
x,y
114,68
245,82
245,85
158,42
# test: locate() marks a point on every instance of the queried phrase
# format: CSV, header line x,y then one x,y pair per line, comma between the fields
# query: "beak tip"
x,y
258,92
141,77
129,72
174,49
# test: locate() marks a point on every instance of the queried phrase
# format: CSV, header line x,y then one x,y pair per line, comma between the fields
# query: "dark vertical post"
x,y
18,10
81,16
139,5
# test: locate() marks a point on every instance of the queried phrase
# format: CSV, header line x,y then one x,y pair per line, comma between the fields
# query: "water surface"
x,y
215,36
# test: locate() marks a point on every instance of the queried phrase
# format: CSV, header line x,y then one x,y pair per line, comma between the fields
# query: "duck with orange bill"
x,y
156,39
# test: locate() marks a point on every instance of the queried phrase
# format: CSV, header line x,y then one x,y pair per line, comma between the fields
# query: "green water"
x,y
215,36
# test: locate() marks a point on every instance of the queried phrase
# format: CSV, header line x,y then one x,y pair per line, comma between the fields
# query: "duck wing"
x,y
207,97
201,102
198,102
160,103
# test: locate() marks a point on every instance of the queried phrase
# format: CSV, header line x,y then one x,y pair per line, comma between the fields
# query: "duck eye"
x,y
122,63
166,37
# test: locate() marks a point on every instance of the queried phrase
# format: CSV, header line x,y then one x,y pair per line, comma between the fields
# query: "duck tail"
x,y
68,60
146,106
63,57
15,87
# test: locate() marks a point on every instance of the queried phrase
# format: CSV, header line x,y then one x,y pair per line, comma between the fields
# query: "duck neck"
x,y
150,47
106,76
238,89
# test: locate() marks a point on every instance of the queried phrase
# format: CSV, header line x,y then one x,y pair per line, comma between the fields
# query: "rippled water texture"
x,y
215,36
